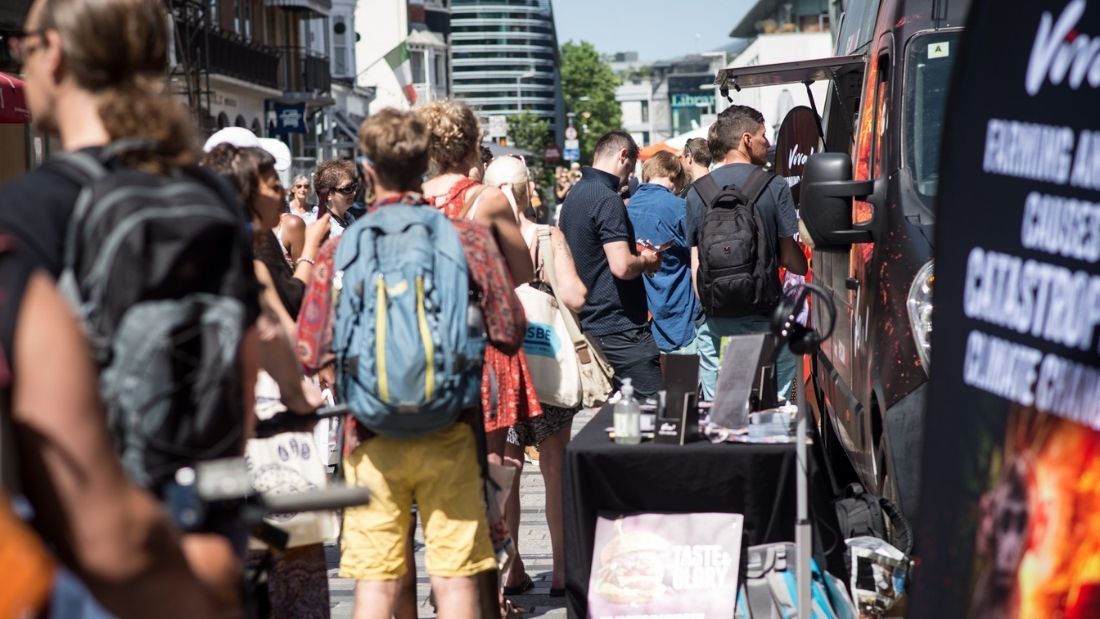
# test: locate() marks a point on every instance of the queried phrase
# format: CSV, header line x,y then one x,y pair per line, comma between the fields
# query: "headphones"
x,y
801,339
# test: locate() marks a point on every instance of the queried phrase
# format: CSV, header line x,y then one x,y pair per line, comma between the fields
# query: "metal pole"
x,y
519,93
802,532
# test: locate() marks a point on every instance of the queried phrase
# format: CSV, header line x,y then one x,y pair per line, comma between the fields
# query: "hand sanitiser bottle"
x,y
627,417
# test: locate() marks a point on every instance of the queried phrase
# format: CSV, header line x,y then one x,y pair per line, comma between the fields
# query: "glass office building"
x,y
504,59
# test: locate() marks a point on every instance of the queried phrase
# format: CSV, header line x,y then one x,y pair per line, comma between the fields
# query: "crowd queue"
x,y
89,533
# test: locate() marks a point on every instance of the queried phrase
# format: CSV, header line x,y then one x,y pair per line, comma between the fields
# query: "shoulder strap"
x,y
707,188
546,250
468,211
755,184
85,169
544,256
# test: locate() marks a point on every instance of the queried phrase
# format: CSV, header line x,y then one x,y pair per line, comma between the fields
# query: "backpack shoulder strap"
x,y
755,185
84,169
708,189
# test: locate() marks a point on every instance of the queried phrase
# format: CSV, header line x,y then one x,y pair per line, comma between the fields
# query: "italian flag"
x,y
400,63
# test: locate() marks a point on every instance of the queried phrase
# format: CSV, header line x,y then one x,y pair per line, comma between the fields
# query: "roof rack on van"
x,y
800,71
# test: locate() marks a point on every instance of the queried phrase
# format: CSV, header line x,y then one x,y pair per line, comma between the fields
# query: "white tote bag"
x,y
550,353
288,462
568,371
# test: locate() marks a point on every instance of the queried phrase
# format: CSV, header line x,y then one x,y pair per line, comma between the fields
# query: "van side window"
x,y
881,121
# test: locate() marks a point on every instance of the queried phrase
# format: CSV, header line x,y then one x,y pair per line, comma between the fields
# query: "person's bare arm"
x,y
314,236
292,233
791,256
112,534
626,265
695,270
494,211
570,287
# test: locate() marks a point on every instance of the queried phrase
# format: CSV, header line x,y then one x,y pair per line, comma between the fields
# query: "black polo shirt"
x,y
593,215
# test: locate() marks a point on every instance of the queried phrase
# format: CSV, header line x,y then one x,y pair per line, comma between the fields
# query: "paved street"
x,y
534,544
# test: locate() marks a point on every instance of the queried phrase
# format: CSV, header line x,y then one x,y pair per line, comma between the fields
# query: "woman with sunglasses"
x,y
299,200
336,183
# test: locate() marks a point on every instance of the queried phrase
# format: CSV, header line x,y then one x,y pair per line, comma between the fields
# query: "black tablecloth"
x,y
754,480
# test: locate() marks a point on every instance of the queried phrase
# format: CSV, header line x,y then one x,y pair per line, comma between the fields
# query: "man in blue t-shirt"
x,y
739,146
602,241
659,216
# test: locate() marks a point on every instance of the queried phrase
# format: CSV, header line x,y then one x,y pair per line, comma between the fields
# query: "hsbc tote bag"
x,y
593,372
547,344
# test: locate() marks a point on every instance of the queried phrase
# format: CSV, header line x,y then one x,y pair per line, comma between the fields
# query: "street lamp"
x,y
519,93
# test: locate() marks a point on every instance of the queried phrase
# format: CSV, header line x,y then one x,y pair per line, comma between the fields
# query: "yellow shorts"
x,y
440,472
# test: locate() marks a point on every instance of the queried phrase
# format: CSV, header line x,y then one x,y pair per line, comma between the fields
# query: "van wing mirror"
x,y
826,202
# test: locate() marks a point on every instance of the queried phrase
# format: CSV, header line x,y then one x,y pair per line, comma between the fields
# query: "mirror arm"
x,y
845,189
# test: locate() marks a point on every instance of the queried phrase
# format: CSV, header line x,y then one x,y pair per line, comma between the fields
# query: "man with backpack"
x,y
741,225
391,301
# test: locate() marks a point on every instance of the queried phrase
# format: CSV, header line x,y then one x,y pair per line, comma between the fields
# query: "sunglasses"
x,y
347,190
16,42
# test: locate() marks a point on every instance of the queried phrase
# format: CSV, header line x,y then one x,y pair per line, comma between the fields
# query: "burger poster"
x,y
657,565
1009,526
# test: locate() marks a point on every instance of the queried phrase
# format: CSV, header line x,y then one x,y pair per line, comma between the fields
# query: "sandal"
x,y
523,587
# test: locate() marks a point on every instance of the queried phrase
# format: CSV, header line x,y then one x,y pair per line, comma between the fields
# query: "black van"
x,y
866,205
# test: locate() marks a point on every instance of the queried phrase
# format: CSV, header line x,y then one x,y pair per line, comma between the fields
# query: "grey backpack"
x,y
158,268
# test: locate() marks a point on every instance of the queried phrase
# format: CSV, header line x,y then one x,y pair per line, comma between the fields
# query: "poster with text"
x,y
1010,510
661,565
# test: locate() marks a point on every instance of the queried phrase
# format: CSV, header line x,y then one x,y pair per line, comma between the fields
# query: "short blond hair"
x,y
455,134
663,165
396,143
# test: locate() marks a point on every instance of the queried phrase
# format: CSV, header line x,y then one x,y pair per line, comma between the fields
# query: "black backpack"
x,y
159,270
738,267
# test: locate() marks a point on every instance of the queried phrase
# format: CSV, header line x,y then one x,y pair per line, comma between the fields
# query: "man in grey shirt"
x,y
738,144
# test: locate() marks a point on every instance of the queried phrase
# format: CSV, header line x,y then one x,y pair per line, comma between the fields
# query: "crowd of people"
x,y
389,281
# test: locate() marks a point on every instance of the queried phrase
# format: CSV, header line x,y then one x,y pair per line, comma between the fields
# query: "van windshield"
x,y
927,77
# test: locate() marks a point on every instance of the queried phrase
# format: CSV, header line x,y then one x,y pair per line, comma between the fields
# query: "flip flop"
x,y
523,587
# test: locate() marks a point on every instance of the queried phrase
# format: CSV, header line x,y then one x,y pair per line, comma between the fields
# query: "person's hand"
x,y
307,400
317,232
652,261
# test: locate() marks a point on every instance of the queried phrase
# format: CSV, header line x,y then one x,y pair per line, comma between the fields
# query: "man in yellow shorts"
x,y
439,470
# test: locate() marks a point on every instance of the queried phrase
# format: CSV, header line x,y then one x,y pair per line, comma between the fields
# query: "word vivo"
x,y
1060,52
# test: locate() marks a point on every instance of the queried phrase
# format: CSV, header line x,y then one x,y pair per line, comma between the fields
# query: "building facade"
x,y
423,27
504,55
782,32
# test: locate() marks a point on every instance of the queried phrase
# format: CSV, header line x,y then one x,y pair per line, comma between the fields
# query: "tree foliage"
x,y
588,86
529,132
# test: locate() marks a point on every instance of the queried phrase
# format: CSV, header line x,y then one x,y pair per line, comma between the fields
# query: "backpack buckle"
x,y
351,366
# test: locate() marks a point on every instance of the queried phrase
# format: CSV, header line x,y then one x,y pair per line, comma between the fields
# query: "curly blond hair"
x,y
454,133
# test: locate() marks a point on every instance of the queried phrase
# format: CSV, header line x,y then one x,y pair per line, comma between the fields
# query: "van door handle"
x,y
851,283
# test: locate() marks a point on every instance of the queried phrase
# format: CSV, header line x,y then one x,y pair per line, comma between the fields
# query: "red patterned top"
x,y
507,376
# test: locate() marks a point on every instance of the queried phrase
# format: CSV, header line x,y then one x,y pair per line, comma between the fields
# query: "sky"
x,y
656,29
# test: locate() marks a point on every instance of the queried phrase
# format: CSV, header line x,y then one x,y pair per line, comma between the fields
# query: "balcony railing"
x,y
304,71
233,55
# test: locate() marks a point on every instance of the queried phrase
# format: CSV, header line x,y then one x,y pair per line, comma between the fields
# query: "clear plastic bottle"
x,y
627,417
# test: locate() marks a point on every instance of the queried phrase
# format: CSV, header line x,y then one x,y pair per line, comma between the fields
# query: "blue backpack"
x,y
409,341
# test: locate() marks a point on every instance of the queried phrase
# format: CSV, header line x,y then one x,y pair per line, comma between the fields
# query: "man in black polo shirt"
x,y
593,219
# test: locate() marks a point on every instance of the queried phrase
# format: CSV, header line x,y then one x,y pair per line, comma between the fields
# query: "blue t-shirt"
x,y
660,216
592,216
